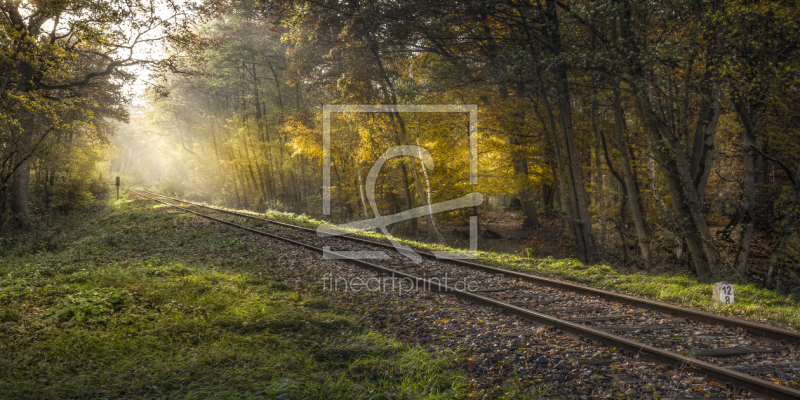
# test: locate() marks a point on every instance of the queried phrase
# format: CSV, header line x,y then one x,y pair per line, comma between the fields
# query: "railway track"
x,y
704,343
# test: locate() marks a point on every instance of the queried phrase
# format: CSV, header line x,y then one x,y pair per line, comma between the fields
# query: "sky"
x,y
143,51
150,51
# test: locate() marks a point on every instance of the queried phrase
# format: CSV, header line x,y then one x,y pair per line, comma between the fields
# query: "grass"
x,y
127,302
751,302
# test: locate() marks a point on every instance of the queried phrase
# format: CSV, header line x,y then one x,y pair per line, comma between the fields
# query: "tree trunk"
x,y
651,167
391,96
20,183
703,152
623,205
433,232
412,223
428,192
521,169
260,183
303,181
771,279
361,191
565,214
669,153
247,185
630,183
685,205
339,189
601,193
747,115
277,86
581,221
520,164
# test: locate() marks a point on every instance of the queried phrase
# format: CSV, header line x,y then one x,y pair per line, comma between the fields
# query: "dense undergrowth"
x,y
128,302
751,301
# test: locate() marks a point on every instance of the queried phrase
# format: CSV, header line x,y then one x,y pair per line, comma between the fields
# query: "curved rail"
x,y
755,385
754,328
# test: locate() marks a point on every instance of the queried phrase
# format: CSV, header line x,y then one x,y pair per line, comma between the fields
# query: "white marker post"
x,y
723,292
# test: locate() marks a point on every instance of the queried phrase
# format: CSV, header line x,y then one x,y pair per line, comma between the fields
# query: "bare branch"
x,y
86,79
775,160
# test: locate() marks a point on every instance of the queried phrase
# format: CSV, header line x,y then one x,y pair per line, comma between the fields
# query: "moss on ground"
x,y
127,302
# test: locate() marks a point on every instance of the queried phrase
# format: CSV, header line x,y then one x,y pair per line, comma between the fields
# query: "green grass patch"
x,y
128,302
752,303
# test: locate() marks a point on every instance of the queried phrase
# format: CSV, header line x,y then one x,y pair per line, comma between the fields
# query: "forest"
x,y
650,133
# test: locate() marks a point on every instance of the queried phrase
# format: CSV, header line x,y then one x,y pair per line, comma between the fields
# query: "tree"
x,y
56,55
764,42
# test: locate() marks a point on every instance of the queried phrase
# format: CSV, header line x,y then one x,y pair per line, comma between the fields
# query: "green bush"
x,y
90,306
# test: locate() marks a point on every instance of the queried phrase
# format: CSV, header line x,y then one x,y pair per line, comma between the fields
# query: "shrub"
x,y
90,306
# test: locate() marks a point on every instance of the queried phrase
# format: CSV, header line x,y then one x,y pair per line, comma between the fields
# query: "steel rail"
x,y
761,387
754,328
